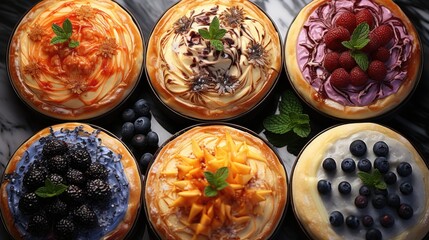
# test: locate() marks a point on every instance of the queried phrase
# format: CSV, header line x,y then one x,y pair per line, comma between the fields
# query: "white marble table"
x,y
17,122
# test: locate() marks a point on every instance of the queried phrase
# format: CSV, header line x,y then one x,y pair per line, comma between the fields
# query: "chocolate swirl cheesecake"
x,y
219,78
353,81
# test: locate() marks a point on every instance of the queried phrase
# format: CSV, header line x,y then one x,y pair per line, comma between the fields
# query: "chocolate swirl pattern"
x,y
196,80
82,82
311,51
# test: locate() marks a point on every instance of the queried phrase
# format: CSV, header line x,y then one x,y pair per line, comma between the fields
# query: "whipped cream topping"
x,y
81,82
311,51
108,217
219,83
335,201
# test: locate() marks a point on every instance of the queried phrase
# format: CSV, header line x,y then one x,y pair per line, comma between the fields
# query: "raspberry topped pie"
x,y
361,181
75,60
212,60
353,59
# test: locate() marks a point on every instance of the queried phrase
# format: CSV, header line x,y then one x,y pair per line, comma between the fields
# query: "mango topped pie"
x,y
215,182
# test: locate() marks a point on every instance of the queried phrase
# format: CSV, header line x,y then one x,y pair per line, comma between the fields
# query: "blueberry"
x,y
361,201
404,169
344,187
139,141
352,222
324,187
380,149
406,188
379,201
127,131
358,148
380,191
364,165
390,178
329,164
348,165
152,139
367,221
373,234
387,220
128,115
405,211
393,200
336,218
142,108
144,161
382,164
365,191
142,125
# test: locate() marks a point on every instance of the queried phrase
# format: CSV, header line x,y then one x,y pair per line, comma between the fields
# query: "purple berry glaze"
x,y
311,51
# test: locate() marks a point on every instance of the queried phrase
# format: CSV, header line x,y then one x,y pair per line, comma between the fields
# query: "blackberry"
x,y
56,179
54,147
97,171
56,209
65,229
73,195
34,178
29,203
79,159
38,225
85,216
97,189
58,164
75,177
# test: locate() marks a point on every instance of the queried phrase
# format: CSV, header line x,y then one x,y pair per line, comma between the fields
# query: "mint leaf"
x,y
214,27
278,124
210,192
366,178
348,45
380,185
221,186
58,39
204,33
217,44
210,177
289,103
50,189
361,44
73,44
299,118
67,26
58,30
64,34
302,130
374,179
222,173
361,60
219,34
361,32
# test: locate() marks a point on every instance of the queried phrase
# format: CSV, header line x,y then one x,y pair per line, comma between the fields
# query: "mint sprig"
x,y
290,118
50,189
63,34
214,34
216,180
358,40
374,179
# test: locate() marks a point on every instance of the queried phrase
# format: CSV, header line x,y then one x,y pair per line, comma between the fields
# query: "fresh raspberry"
x,y
377,70
335,36
346,61
347,20
384,34
365,16
373,44
381,54
358,77
340,78
331,61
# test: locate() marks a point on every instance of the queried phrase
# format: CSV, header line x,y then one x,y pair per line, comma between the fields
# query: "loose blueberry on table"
x,y
376,175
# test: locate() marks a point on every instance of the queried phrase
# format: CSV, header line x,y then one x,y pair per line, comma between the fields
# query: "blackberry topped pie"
x,y
212,60
71,181
361,181
75,60
353,59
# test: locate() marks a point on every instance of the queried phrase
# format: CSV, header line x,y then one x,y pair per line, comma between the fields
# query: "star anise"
x,y
32,69
232,17
36,33
257,55
182,25
85,12
108,48
76,86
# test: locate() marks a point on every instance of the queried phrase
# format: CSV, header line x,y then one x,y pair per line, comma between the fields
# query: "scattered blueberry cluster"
x,y
136,132
62,212
379,197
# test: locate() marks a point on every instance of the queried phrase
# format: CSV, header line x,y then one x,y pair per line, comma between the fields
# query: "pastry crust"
x,y
307,202
333,108
174,64
130,169
82,82
267,173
